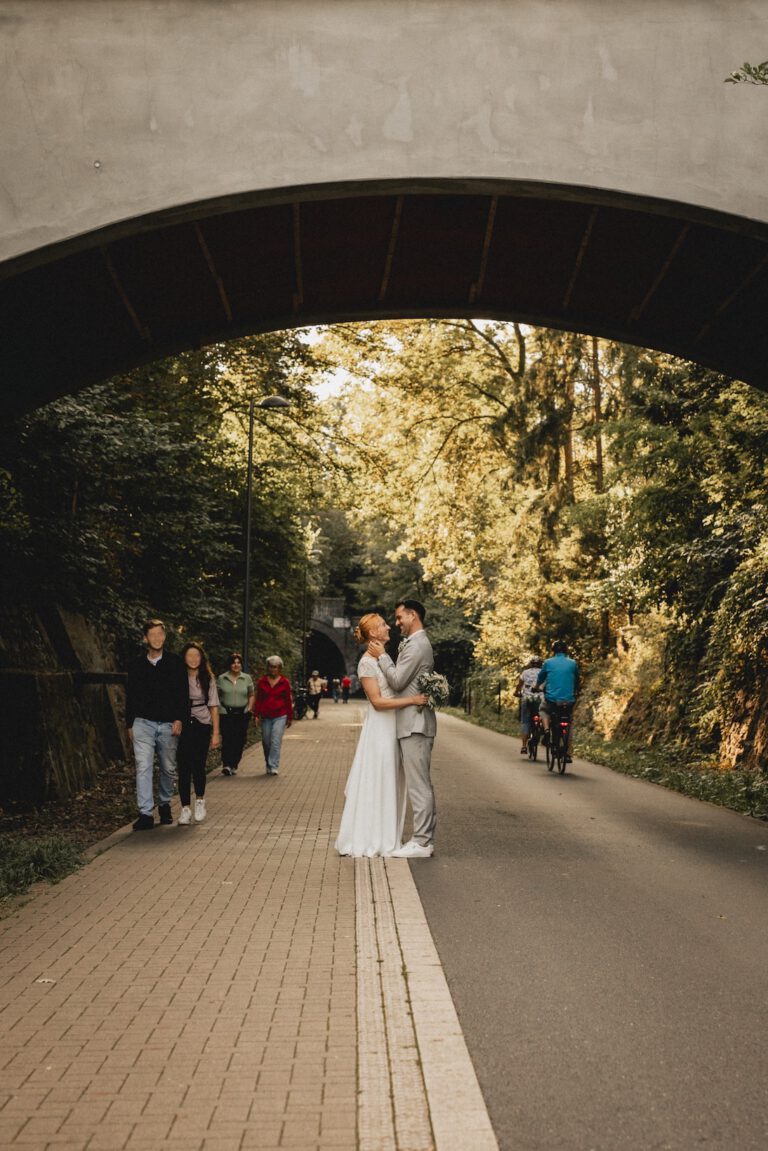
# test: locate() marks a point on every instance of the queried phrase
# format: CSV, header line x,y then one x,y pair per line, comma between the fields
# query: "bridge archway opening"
x,y
663,275
324,656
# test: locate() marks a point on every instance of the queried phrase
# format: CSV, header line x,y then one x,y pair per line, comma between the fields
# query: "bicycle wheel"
x,y
550,754
533,752
556,749
562,750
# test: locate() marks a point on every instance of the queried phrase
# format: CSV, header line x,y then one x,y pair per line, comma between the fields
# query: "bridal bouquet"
x,y
435,687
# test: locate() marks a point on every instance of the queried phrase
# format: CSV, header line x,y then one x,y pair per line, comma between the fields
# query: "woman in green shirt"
x,y
236,697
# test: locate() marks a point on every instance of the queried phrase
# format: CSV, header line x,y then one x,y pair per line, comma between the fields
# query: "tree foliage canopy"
x,y
526,484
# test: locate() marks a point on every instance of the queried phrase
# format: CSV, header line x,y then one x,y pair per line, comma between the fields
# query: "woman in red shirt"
x,y
273,708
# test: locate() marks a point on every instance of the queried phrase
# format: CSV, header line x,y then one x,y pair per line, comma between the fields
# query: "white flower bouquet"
x,y
435,687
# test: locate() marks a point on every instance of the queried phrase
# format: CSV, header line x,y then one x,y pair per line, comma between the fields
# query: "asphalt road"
x,y
605,944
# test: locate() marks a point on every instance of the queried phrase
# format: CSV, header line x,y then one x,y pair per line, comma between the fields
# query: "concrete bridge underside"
x,y
183,171
647,275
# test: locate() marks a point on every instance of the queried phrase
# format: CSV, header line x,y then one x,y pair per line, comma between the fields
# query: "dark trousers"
x,y
234,729
194,741
314,702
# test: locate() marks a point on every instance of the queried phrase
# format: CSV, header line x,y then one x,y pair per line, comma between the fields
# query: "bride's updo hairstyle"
x,y
362,632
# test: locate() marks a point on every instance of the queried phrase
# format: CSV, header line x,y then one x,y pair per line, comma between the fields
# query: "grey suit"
x,y
415,731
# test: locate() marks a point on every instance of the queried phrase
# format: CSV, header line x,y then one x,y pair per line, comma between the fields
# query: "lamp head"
x,y
274,402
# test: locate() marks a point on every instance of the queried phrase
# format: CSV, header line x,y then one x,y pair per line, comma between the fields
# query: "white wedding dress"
x,y
374,812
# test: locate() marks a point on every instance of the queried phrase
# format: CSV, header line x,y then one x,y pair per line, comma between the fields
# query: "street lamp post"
x,y
304,624
269,402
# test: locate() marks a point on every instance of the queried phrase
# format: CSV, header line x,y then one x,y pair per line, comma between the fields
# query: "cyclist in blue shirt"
x,y
559,677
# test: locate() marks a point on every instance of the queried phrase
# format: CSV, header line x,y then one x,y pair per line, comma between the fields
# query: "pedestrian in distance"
x,y
315,685
346,684
236,693
336,689
273,708
416,725
199,734
156,709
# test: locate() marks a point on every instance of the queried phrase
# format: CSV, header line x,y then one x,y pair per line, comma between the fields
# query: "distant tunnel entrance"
x,y
324,656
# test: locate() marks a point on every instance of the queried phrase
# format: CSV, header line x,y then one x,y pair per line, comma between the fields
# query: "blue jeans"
x,y
272,732
528,708
150,737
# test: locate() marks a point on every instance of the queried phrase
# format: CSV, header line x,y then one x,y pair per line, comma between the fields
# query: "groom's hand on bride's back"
x,y
375,648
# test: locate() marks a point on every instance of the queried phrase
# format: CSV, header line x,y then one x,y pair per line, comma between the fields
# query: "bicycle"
x,y
535,736
559,736
299,702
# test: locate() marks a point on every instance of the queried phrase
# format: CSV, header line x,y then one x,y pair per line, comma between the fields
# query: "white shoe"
x,y
185,816
413,850
199,810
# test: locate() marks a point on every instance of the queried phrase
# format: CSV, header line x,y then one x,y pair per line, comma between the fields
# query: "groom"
x,y
415,728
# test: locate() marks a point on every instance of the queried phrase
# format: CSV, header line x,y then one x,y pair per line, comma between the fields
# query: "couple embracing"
x,y
392,760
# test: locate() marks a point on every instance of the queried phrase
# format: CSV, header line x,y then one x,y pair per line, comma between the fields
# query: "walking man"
x,y
157,704
315,685
416,727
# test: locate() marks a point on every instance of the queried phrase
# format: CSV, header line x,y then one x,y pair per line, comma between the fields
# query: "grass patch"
x,y
677,769
670,766
24,861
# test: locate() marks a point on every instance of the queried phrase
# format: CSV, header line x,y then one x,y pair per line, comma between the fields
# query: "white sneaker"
x,y
185,816
200,812
413,850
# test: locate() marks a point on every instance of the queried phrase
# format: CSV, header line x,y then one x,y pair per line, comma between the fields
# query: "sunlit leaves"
x,y
749,74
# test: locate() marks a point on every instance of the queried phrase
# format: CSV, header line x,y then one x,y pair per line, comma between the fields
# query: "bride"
x,y
374,812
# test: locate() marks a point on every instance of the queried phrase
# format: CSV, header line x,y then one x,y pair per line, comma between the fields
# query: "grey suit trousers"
x,y
416,754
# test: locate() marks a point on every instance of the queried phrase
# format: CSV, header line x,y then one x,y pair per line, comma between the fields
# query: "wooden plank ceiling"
x,y
645,274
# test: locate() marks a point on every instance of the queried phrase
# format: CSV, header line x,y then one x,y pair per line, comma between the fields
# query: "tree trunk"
x,y
570,396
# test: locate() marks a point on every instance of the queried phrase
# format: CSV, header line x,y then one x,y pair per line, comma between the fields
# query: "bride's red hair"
x,y
363,630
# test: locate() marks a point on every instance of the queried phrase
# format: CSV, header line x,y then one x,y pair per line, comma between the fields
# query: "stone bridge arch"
x,y
331,646
179,172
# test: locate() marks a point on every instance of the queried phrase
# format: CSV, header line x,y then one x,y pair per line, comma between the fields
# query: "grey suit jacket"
x,y
414,658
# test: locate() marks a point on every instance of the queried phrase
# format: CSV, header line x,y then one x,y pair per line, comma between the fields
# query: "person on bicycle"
x,y
529,696
559,676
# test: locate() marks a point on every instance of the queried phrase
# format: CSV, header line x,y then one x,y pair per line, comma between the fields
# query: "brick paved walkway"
x,y
235,985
